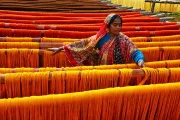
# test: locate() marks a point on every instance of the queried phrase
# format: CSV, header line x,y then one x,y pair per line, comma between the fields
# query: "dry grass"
x,y
175,15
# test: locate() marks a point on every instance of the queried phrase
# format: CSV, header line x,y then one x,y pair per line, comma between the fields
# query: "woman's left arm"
x,y
138,58
136,54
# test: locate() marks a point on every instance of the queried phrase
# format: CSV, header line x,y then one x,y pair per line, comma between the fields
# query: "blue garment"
x,y
137,56
102,41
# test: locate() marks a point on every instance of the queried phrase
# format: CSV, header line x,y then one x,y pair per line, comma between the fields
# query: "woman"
x,y
107,47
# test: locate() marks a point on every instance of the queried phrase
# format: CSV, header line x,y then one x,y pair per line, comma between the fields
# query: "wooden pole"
x,y
153,6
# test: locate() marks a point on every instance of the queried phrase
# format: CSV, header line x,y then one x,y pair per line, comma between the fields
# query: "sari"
x,y
114,51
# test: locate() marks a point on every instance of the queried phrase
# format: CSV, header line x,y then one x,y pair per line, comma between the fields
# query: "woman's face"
x,y
115,27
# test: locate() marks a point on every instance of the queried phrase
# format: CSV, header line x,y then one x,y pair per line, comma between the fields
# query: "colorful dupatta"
x,y
83,52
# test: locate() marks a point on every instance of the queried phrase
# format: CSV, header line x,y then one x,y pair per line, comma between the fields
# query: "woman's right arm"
x,y
77,46
56,50
73,44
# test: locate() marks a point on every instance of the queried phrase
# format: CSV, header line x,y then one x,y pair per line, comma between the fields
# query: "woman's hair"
x,y
112,20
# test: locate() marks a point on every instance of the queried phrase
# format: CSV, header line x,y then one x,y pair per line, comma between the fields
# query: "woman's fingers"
x,y
141,63
57,51
52,49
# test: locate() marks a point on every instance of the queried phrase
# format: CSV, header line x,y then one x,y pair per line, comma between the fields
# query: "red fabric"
x,y
102,31
69,56
65,14
167,32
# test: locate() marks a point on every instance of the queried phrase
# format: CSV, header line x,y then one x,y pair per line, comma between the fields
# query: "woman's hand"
x,y
55,50
141,63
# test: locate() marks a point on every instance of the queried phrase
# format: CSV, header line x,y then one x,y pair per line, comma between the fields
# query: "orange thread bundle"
x,y
72,81
172,63
157,44
174,75
142,102
166,38
47,69
40,83
139,39
57,83
23,70
29,45
26,84
156,64
13,54
163,75
12,85
18,39
44,39
151,54
58,60
5,70
29,58
170,53
125,77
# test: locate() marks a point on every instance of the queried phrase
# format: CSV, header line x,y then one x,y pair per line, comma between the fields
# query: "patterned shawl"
x,y
83,52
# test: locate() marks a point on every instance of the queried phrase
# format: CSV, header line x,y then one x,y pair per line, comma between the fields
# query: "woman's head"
x,y
114,24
